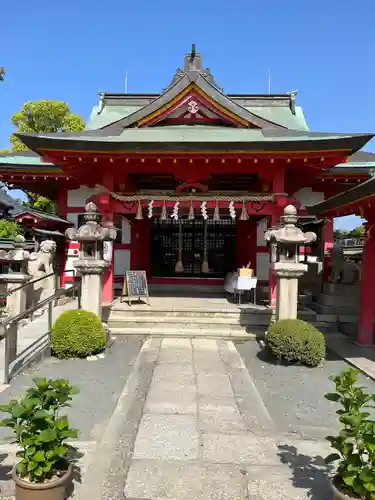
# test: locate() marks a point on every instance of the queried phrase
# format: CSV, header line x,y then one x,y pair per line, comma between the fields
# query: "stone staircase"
x,y
189,322
336,309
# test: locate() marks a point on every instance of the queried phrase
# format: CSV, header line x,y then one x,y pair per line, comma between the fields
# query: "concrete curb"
x,y
124,422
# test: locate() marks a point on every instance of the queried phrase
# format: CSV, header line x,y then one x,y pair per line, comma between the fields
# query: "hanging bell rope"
x,y
139,214
216,216
191,212
244,215
164,213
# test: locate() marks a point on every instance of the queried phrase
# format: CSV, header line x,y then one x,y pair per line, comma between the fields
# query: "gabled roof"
x,y
136,109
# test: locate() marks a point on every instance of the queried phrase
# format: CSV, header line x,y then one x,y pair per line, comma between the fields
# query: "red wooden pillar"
x,y
62,208
367,302
328,235
272,277
246,242
105,202
140,246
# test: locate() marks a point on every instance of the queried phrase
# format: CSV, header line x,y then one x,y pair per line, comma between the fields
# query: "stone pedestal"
x,y
91,274
287,275
16,302
17,259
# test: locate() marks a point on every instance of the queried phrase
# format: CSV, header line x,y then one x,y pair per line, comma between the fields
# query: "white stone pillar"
x,y
287,275
91,289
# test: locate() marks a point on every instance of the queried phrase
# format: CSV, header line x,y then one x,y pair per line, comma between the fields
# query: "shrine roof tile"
x,y
349,197
20,210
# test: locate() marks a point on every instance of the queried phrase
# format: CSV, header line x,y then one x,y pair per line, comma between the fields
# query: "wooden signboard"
x,y
135,286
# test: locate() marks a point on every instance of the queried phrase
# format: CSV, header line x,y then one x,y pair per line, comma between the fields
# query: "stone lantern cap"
x,y
289,233
18,252
92,230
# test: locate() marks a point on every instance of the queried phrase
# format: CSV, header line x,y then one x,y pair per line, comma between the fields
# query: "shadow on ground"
x,y
309,473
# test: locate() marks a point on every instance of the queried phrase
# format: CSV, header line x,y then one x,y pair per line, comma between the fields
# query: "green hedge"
x,y
295,340
77,334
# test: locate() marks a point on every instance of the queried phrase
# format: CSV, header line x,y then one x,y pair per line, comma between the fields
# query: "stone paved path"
x,y
192,426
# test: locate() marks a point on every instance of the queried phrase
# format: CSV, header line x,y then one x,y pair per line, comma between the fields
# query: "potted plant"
x,y
43,471
355,443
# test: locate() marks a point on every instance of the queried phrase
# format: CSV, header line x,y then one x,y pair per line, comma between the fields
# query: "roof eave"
x,y
40,143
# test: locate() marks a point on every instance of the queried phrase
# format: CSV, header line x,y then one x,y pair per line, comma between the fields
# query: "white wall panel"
x,y
126,231
263,266
78,197
261,228
73,217
307,197
121,261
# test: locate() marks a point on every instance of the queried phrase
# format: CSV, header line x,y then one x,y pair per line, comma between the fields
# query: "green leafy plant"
x,y
39,428
295,340
355,444
77,333
9,229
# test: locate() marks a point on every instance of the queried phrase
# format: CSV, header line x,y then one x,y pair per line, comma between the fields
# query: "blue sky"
x,y
70,50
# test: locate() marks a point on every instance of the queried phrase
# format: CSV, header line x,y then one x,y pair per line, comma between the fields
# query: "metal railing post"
x,y
10,349
50,316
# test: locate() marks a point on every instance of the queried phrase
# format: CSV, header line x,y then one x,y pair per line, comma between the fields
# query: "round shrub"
x,y
77,334
296,340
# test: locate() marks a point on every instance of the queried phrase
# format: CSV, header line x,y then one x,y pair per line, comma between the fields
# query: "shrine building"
x,y
192,177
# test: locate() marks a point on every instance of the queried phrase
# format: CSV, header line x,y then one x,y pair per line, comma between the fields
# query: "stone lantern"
x,y
286,263
90,263
17,259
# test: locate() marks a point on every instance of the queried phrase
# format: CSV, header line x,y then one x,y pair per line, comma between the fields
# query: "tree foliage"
x,y
357,232
9,229
42,117
40,203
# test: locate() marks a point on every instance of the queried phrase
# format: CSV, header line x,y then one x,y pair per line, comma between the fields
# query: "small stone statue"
x,y
41,264
343,270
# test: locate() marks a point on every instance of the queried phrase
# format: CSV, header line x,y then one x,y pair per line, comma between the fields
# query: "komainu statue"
x,y
41,264
343,270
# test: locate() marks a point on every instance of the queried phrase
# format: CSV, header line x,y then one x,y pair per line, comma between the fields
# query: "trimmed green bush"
x,y
77,334
295,340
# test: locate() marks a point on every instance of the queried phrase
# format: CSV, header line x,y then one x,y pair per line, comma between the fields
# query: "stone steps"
x,y
189,322
159,331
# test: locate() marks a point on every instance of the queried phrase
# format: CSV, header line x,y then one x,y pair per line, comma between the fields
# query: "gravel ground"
x,y
100,382
294,395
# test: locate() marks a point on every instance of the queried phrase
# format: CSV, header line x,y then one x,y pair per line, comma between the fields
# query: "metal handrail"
x,y
10,327
32,282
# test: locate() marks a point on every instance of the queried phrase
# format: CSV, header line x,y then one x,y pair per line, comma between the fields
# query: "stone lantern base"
x,y
287,274
91,272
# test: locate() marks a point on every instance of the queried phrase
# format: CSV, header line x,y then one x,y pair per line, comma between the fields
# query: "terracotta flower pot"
x,y
53,490
337,492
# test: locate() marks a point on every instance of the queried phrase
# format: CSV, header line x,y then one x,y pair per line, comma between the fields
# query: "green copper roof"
x,y
282,115
24,158
108,115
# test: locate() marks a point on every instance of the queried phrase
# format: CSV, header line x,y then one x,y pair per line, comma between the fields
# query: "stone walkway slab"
x,y
205,433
